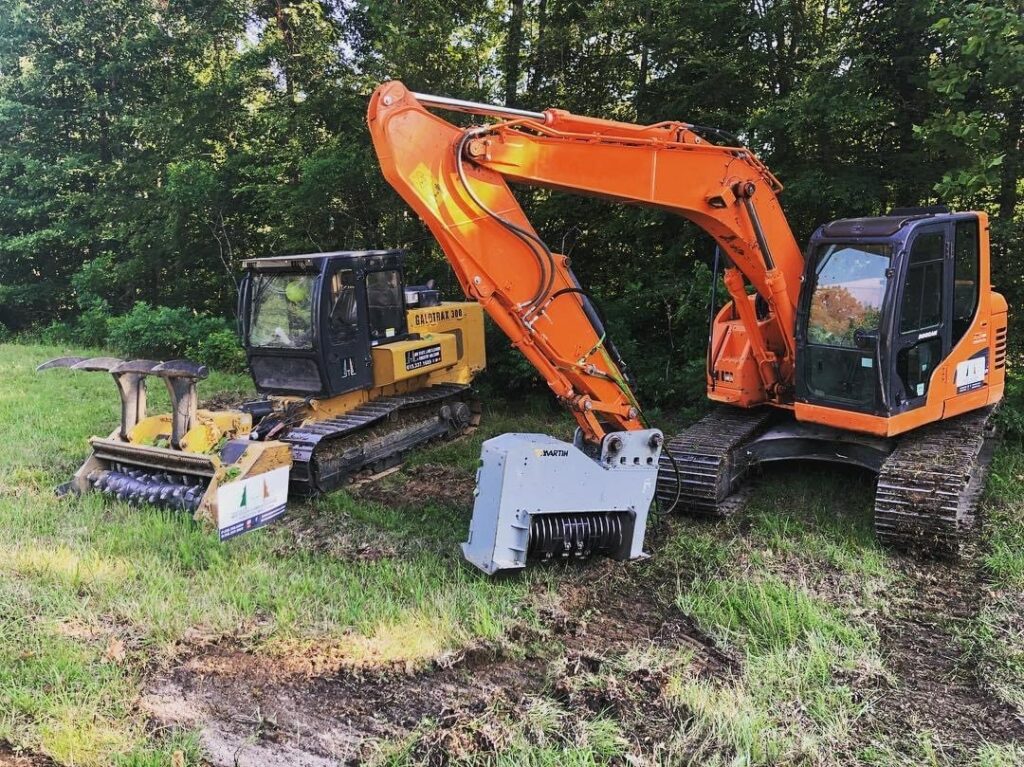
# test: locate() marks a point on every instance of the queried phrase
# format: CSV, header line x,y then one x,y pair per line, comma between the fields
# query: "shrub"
x,y
93,325
54,334
161,332
220,349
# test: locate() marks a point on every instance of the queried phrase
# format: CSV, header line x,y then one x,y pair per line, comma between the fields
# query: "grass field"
x,y
351,632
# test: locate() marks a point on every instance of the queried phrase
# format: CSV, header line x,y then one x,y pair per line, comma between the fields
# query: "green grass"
x,y
96,570
95,596
995,636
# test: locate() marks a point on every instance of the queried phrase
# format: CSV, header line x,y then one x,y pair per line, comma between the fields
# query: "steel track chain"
x,y
709,459
930,487
307,440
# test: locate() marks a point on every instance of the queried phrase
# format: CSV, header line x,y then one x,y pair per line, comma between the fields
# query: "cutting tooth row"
x,y
179,492
575,535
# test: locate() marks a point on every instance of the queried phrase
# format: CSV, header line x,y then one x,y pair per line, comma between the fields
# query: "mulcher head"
x,y
178,460
540,499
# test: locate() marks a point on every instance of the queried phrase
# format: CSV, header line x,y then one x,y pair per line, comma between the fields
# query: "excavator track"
x,y
930,486
331,453
710,461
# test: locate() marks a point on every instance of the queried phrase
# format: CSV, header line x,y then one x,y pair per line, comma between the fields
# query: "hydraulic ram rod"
x,y
474,107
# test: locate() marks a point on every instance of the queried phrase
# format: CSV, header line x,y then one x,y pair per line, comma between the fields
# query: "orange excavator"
x,y
882,344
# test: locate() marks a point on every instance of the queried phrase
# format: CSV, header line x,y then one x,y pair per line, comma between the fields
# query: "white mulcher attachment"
x,y
541,499
178,460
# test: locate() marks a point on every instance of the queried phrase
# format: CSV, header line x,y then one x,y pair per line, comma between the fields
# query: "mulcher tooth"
x,y
181,377
59,362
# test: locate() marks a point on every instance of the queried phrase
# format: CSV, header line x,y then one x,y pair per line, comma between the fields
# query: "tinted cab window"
x,y
384,304
840,359
920,348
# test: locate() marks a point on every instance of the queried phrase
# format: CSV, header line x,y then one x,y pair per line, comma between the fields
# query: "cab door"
x,y
921,327
346,348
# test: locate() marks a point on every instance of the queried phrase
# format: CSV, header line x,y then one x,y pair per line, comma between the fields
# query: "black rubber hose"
x,y
711,315
597,320
545,259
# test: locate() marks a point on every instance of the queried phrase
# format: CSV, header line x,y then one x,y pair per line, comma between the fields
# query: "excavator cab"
x,y
311,321
886,301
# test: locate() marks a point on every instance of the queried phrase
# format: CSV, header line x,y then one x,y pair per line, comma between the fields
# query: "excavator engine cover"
x,y
541,499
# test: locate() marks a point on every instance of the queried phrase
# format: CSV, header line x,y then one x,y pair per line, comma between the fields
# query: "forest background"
x,y
147,148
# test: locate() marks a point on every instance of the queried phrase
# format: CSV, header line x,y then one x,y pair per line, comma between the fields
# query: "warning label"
x,y
421,358
251,503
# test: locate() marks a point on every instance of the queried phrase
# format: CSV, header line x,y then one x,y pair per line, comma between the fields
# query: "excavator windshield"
x,y
282,311
849,288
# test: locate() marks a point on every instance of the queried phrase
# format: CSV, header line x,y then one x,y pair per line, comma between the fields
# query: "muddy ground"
x,y
252,710
9,757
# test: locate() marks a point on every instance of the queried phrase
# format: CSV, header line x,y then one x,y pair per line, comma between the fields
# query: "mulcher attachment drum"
x,y
541,499
180,460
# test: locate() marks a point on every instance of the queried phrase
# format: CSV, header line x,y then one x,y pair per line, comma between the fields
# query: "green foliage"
x,y
147,148
220,349
165,333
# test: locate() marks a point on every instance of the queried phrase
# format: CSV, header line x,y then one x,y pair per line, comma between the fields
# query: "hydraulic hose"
x,y
545,259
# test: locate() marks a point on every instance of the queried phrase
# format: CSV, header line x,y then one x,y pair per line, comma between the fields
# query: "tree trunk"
x,y
537,71
645,61
1009,179
513,46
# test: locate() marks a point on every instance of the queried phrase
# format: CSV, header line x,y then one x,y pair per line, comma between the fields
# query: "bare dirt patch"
x,y
252,709
936,687
249,712
428,483
11,757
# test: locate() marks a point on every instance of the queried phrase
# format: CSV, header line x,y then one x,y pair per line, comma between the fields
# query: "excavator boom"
x,y
457,180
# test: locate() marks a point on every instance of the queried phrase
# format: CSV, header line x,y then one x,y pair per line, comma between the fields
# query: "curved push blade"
x,y
181,369
97,364
135,366
59,362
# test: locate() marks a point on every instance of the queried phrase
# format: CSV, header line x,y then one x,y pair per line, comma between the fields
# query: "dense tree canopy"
x,y
148,146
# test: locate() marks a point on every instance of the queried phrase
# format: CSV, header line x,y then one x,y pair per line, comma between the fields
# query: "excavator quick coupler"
x,y
187,460
541,499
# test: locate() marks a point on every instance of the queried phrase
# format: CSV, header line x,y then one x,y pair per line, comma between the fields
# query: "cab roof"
x,y
276,262
883,226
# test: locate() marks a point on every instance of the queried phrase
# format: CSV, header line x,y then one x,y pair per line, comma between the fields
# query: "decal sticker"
x,y
867,362
970,374
251,503
421,358
438,315
929,334
550,453
348,367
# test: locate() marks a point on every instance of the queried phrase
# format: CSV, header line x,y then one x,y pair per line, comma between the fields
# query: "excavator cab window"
x,y
920,344
966,265
844,315
848,293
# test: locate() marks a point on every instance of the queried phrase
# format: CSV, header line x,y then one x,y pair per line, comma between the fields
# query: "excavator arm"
x,y
457,180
